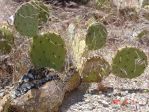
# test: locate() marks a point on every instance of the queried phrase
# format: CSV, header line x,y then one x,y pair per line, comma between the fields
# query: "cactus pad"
x,y
129,63
96,36
26,20
6,41
43,11
95,69
48,51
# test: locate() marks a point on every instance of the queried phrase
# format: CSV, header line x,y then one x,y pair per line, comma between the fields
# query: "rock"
x,y
44,98
142,100
47,98
4,103
73,83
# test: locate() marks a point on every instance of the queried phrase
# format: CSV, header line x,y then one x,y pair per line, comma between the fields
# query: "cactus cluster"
x,y
6,41
49,49
128,63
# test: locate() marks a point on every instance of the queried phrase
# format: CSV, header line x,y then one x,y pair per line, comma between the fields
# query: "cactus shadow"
x,y
74,97
110,90
136,90
106,91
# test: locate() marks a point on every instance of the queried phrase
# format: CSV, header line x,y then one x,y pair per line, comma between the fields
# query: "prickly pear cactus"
x,y
95,69
129,63
6,40
48,50
26,20
76,46
43,11
96,36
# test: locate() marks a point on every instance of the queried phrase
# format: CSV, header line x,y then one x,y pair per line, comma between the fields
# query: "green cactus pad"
x,y
6,41
96,36
43,11
26,20
129,63
95,69
48,50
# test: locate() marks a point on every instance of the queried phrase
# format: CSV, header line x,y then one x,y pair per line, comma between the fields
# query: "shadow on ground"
x,y
74,97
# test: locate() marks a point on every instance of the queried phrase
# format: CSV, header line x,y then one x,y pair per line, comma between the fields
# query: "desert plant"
x,y
6,40
29,16
129,63
95,68
96,36
48,50
43,11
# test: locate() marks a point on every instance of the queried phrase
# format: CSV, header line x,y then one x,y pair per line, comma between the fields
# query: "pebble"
x,y
142,101
105,104
2,94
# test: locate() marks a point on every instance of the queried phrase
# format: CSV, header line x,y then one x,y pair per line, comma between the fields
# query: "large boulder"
x,y
46,98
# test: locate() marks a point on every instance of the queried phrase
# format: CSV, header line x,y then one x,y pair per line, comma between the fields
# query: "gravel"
x,y
116,101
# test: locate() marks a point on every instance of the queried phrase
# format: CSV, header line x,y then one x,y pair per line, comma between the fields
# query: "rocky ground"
x,y
121,95
121,98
